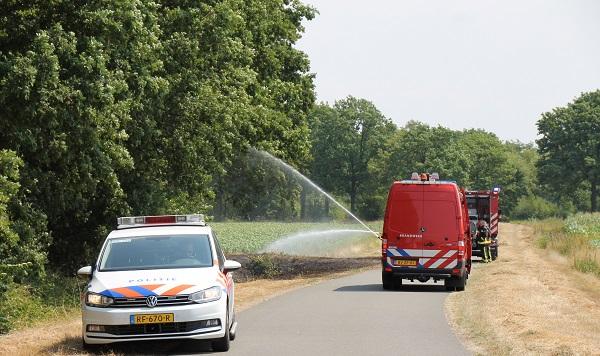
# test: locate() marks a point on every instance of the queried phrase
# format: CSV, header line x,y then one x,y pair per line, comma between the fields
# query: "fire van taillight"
x,y
384,245
461,248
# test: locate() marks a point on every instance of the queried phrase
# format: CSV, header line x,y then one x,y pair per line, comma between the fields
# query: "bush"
x,y
264,266
532,207
23,239
372,207
54,296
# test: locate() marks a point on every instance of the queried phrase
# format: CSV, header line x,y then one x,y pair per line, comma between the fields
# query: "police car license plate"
x,y
405,262
151,318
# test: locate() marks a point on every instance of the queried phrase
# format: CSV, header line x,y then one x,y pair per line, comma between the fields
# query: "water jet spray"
x,y
294,171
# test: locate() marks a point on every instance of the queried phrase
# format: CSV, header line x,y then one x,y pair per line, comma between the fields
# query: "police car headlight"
x,y
207,295
97,300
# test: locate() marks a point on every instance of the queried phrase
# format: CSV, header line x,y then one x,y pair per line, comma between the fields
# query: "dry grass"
x,y
528,302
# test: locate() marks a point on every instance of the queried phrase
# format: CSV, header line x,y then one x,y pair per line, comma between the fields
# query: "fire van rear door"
x,y
441,227
405,222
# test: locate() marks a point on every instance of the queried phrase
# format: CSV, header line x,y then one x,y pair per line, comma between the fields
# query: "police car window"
x,y
152,252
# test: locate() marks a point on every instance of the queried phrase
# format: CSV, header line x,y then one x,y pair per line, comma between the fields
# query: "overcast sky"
x,y
495,65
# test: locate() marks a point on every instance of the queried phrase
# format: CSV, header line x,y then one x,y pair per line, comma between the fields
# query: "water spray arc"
x,y
293,170
322,243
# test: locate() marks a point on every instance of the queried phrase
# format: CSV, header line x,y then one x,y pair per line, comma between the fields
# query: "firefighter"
x,y
484,239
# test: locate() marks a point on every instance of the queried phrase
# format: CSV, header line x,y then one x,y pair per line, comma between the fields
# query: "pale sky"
x,y
495,65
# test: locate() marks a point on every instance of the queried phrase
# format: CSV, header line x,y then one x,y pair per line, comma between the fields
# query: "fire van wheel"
x,y
397,283
222,344
387,280
494,252
461,282
456,283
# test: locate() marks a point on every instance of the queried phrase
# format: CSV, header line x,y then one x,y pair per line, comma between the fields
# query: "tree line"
x,y
357,152
114,108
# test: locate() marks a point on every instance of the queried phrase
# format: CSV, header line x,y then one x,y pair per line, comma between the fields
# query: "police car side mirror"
x,y
230,266
85,272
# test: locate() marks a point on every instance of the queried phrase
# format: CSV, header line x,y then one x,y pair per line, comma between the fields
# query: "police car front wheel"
x,y
222,344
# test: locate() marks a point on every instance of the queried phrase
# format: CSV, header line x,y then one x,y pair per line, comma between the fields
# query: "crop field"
x,y
253,237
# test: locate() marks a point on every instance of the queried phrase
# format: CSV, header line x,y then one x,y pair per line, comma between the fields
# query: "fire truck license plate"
x,y
151,318
405,262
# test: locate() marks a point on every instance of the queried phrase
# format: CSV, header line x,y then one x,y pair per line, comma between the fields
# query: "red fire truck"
x,y
484,205
426,233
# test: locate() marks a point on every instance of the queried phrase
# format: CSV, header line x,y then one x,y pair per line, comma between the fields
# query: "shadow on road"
x,y
403,288
72,345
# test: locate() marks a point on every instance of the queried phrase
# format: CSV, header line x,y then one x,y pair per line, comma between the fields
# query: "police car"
x,y
157,278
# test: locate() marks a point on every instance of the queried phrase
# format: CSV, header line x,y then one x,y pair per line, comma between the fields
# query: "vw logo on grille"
x,y
151,301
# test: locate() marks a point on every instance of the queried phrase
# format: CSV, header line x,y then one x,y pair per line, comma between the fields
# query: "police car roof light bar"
x,y
131,221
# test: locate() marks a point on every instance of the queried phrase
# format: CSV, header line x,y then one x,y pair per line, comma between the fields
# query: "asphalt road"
x,y
349,316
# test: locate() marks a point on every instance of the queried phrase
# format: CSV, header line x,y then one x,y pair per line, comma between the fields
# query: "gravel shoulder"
x,y
528,302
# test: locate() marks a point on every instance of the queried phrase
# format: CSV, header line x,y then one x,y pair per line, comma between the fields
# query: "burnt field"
x,y
279,266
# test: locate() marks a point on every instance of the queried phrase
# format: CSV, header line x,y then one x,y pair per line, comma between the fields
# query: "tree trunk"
x,y
303,204
353,197
594,196
219,205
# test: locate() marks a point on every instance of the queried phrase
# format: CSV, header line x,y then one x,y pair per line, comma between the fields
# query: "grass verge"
x,y
577,238
529,301
54,297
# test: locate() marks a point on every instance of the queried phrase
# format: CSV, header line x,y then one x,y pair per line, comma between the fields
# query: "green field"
x,y
251,237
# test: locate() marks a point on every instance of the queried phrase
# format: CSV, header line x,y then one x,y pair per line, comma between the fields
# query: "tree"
x,y
119,107
475,159
23,237
520,175
418,147
569,147
347,138
262,95
61,112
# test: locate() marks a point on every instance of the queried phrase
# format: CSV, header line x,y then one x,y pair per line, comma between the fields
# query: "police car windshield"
x,y
156,252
